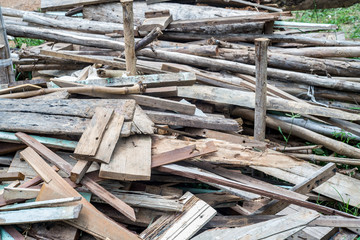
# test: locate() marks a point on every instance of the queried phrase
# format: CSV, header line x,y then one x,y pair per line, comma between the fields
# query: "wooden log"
x,y
86,181
297,63
128,16
90,219
247,99
247,69
336,146
261,88
40,215
79,90
320,52
198,50
149,38
76,24
193,121
130,161
39,67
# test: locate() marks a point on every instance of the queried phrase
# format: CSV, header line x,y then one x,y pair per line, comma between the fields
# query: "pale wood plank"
x,y
91,138
131,160
48,203
47,214
181,227
90,219
19,193
79,170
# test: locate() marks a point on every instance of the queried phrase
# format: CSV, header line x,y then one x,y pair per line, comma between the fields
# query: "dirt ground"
x,y
29,5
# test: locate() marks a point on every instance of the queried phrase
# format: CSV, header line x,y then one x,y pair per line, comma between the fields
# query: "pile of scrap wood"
x,y
139,125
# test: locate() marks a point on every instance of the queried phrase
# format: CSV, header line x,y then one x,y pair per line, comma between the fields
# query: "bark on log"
x,y
321,52
296,63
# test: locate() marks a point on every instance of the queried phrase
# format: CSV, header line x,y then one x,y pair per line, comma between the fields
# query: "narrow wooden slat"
x,y
48,214
79,170
19,193
11,176
181,154
49,203
90,219
86,181
91,138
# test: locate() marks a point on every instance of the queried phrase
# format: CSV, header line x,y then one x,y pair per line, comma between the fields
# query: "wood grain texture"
x,y
131,160
90,140
90,219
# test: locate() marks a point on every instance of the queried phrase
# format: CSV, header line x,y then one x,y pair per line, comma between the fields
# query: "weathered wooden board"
x,y
84,108
110,138
11,176
264,230
59,4
155,80
193,121
79,170
247,99
90,219
181,226
19,193
131,160
20,88
147,200
48,203
141,124
91,138
339,187
47,214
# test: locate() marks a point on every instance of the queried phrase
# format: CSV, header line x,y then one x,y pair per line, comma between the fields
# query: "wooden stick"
x,y
137,88
153,35
261,45
313,157
255,5
128,16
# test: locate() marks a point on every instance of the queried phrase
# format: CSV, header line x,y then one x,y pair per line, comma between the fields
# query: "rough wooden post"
x,y
261,45
128,16
6,68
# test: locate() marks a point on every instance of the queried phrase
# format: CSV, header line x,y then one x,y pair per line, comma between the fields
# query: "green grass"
x,y
347,19
28,41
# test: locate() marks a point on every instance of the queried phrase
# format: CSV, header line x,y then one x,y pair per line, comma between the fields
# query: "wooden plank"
x,y
55,230
319,177
154,80
13,232
68,107
181,154
131,160
48,203
79,170
48,214
261,46
90,220
264,230
154,22
181,226
147,200
142,124
193,121
11,176
247,99
90,140
86,181
20,193
203,176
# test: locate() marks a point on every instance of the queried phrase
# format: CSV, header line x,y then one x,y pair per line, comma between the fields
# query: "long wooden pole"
x,y
128,16
261,46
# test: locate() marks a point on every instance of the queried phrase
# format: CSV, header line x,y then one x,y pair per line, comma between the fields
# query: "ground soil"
x,y
28,5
